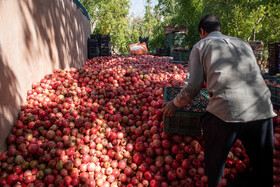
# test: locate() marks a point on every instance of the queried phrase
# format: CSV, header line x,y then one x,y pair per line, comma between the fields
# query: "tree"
x,y
247,19
250,20
110,16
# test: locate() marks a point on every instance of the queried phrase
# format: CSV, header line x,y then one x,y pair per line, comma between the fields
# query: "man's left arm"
x,y
193,81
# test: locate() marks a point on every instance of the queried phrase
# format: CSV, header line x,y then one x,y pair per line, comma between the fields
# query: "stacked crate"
x,y
176,41
187,55
93,49
274,58
272,84
181,55
104,43
257,47
99,45
162,51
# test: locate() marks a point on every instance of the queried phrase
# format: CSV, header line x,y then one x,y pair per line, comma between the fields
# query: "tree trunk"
x,y
93,24
254,30
275,30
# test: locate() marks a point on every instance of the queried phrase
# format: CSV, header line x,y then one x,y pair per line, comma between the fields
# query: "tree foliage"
x,y
110,17
247,19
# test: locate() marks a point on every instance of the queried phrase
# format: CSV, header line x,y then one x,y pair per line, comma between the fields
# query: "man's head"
x,y
208,24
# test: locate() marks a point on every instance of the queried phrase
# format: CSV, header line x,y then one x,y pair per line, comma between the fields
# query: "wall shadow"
x,y
54,36
60,26
9,100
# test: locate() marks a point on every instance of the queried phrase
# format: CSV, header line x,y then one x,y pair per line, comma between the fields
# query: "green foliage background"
x,y
250,20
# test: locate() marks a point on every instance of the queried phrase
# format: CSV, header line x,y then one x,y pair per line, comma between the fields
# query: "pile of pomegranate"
x,y
276,151
101,125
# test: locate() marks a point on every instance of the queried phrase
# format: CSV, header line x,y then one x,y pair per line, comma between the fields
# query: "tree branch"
x,y
235,25
275,30
256,24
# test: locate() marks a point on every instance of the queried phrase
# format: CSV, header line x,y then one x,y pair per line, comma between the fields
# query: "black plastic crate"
x,y
274,58
273,70
92,36
103,37
185,120
146,40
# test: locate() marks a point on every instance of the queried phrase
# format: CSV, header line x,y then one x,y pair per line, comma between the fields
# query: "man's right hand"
x,y
169,109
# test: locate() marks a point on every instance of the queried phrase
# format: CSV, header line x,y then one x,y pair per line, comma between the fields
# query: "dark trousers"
x,y
256,137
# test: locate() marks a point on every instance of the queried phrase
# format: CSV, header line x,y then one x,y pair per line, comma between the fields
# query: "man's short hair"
x,y
209,23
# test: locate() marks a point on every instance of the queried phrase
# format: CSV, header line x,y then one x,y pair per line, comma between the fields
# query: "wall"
x,y
36,36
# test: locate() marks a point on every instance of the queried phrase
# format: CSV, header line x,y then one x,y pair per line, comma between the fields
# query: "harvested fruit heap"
x,y
101,125
276,151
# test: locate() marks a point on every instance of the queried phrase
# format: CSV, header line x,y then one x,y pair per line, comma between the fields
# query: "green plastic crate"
x,y
172,37
187,56
175,40
181,56
275,93
178,56
185,120
178,36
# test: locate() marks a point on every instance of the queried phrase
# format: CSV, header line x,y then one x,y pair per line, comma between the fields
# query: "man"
x,y
239,107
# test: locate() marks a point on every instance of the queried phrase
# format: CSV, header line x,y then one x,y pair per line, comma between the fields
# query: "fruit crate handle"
x,y
203,92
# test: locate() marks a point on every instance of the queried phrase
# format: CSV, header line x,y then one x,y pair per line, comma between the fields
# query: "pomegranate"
x,y
101,125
